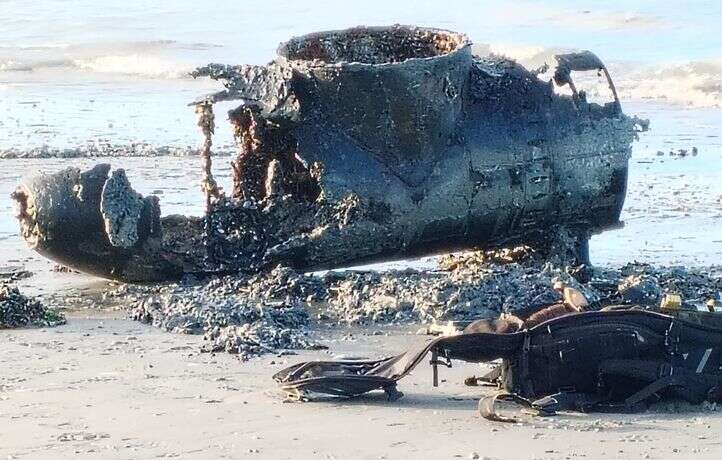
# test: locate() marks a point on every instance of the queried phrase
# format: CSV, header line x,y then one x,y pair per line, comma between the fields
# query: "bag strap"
x,y
542,407
659,375
487,406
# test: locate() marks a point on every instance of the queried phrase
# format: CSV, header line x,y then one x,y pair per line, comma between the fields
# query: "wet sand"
x,y
105,387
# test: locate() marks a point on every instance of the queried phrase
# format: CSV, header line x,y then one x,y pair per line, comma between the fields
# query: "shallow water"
x,y
96,70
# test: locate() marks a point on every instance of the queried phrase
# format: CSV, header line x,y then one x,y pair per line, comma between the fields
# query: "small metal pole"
x,y
206,122
435,368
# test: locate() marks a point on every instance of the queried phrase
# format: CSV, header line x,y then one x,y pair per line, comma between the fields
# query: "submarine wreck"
x,y
360,145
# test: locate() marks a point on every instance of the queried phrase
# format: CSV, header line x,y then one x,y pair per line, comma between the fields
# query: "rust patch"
x,y
261,142
22,204
373,45
249,167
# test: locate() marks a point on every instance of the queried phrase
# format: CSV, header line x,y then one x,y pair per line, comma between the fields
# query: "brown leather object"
x,y
505,324
552,311
508,323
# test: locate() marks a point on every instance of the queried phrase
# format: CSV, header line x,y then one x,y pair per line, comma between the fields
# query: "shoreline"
x,y
102,151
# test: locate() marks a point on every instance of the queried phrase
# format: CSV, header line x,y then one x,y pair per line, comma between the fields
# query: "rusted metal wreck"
x,y
360,145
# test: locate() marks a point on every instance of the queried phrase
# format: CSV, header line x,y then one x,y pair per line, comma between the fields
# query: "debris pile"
x,y
466,293
247,316
466,287
17,310
638,283
250,315
640,289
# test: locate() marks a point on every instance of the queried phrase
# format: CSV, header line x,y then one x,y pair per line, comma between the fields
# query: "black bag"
x,y
605,360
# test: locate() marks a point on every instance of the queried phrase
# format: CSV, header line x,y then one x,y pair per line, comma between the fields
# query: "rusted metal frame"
x,y
582,61
206,123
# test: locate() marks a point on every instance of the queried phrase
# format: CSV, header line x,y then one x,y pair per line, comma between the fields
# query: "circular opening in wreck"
x,y
373,45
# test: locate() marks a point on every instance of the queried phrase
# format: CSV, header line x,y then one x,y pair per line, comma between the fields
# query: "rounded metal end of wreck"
x,y
24,213
386,45
48,206
89,221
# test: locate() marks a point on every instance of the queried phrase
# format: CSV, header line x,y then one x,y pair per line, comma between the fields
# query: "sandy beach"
x,y
106,387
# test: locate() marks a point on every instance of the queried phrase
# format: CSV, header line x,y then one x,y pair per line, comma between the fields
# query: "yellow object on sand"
x,y
712,305
575,299
671,302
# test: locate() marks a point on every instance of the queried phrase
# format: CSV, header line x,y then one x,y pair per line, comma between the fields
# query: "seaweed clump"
x,y
18,310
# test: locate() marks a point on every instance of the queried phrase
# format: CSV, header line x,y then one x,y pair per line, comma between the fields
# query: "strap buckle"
x,y
435,363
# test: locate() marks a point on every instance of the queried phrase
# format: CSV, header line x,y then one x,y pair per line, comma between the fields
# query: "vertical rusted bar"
x,y
206,122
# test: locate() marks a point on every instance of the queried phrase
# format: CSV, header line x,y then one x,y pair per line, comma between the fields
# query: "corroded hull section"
x,y
362,145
